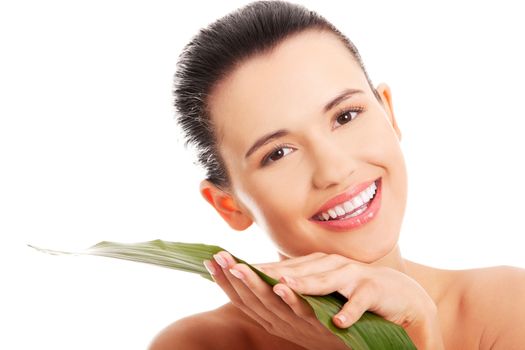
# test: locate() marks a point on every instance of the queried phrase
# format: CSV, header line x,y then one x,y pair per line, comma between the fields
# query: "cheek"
x,y
381,146
281,192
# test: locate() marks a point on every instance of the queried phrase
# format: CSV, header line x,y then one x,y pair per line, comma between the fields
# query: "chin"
x,y
378,253
369,248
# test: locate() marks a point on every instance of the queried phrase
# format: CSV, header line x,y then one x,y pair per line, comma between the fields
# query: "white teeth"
x,y
357,212
348,206
357,202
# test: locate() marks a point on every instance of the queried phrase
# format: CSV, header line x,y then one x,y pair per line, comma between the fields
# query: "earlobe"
x,y
386,97
225,205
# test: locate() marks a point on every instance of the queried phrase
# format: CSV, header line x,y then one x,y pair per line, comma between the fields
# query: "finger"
x,y
221,279
249,281
291,261
306,258
343,280
267,307
313,266
358,303
224,259
299,306
274,307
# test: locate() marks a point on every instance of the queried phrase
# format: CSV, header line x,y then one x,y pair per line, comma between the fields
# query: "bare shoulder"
x,y
480,308
494,297
223,328
215,329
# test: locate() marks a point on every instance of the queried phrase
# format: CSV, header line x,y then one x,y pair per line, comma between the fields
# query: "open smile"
x,y
351,210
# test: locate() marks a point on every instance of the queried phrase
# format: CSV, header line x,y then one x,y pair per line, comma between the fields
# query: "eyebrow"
x,y
341,97
283,132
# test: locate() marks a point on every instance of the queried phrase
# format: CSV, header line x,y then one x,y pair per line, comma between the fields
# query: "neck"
x,y
392,259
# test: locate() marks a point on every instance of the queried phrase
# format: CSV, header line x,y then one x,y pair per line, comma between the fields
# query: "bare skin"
x,y
469,317
326,149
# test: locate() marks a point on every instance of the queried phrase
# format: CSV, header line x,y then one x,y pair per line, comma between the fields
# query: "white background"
x,y
89,151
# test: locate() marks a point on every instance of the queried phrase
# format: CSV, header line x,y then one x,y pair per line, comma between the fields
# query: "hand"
x,y
279,311
385,291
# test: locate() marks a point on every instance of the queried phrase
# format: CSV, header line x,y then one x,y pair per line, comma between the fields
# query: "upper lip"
x,y
343,197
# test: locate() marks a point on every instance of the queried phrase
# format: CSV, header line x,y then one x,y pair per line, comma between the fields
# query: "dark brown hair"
x,y
215,52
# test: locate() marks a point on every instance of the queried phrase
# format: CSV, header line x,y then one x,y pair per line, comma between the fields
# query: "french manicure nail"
x,y
279,292
209,266
221,261
237,273
341,319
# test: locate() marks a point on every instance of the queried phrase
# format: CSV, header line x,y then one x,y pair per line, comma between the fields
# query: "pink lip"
x,y
356,221
343,197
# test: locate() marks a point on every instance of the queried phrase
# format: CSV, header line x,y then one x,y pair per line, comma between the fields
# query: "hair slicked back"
x,y
215,52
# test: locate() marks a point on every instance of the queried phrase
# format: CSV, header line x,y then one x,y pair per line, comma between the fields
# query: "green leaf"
x,y
369,332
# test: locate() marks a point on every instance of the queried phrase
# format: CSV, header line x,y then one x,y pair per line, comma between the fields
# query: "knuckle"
x,y
237,302
357,305
371,286
336,258
273,304
355,314
350,269
270,329
324,278
296,307
361,298
301,313
308,282
249,283
245,310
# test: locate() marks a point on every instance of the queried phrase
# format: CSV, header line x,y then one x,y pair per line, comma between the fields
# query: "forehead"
x,y
279,89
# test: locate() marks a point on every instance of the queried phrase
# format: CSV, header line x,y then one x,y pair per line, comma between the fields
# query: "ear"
x,y
386,97
225,205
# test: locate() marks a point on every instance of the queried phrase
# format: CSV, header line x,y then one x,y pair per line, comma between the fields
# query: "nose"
x,y
332,165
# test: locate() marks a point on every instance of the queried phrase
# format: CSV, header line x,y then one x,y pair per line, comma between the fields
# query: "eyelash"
x,y
339,113
265,160
343,111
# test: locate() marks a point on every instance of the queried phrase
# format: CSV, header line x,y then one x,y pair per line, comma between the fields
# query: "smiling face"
x,y
330,134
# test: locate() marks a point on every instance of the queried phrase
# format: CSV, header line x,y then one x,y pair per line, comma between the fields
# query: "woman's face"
x,y
318,153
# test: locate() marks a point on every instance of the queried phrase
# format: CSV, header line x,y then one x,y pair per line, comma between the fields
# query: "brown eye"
x,y
276,155
347,116
278,152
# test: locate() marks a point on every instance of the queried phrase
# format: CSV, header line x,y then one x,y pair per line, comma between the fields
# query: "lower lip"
x,y
357,221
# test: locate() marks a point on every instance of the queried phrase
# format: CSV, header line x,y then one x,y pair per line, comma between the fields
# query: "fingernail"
x,y
237,273
209,266
279,292
288,281
221,261
341,319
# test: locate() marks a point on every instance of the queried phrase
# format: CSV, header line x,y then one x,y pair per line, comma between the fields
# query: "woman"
x,y
294,137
